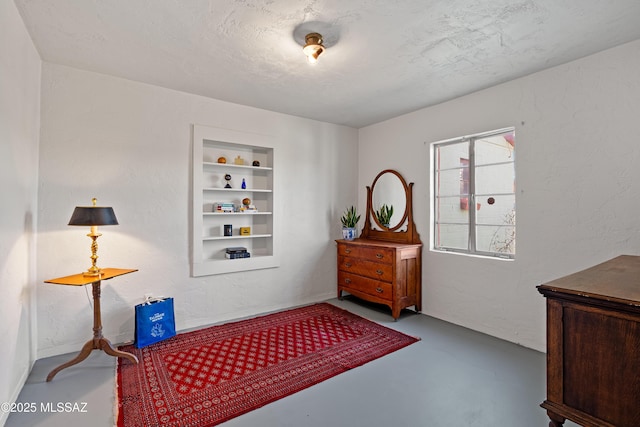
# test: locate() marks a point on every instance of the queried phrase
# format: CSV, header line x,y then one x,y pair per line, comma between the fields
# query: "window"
x,y
474,194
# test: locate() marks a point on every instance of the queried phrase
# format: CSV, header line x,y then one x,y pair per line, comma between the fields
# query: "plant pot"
x,y
348,233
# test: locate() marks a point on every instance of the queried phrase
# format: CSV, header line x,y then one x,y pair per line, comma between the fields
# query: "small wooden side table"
x,y
98,342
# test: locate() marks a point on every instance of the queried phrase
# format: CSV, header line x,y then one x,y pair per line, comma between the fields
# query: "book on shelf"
x,y
236,250
248,209
224,207
237,255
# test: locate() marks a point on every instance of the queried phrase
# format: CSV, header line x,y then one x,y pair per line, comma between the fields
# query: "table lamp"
x,y
93,216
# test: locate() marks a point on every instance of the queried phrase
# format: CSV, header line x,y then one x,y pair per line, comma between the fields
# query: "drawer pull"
x,y
379,256
347,264
380,272
347,251
379,290
347,281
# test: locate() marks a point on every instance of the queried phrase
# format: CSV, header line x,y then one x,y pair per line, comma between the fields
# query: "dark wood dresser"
x,y
593,345
382,272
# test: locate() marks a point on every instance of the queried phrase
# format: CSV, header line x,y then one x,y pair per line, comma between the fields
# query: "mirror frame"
x,y
374,217
410,235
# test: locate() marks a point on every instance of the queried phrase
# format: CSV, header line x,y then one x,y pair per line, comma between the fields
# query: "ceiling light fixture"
x,y
313,47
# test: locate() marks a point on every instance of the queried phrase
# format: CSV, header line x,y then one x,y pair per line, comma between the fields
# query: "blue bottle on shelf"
x,y
244,184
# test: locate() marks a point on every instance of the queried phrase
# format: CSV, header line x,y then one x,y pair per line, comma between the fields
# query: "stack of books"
x,y
224,207
237,252
248,209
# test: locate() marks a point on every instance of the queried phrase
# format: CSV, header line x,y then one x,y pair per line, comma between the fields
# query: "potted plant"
x,y
384,215
349,221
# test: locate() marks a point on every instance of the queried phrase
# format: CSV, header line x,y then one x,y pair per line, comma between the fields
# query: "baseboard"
x,y
127,337
263,310
75,348
16,392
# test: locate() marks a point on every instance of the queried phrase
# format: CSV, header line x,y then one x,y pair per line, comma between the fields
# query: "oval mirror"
x,y
388,194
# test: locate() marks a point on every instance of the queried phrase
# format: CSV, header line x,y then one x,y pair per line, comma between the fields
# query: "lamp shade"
x,y
93,215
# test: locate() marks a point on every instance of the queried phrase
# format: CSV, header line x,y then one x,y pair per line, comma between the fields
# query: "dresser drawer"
x,y
362,284
369,253
374,270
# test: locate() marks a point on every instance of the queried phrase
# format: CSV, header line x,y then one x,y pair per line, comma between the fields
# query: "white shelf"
x,y
221,266
233,166
251,190
236,213
250,236
208,180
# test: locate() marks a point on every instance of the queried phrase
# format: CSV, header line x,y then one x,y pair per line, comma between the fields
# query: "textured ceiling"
x,y
383,58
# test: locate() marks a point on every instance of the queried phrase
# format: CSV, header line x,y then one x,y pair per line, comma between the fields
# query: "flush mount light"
x,y
313,47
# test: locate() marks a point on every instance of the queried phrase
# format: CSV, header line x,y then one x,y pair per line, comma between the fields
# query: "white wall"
x,y
577,187
129,145
19,125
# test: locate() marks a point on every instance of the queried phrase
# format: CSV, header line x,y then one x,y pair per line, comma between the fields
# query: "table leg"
x,y
111,351
84,353
556,420
98,342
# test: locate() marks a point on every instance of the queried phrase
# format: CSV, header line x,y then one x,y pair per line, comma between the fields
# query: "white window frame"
x,y
472,212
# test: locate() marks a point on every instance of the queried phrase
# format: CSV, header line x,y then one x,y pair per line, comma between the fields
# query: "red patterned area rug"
x,y
205,377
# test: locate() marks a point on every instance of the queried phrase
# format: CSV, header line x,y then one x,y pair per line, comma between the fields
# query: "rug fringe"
x,y
116,391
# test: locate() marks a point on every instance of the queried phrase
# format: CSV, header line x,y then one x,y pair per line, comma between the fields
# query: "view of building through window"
x,y
474,194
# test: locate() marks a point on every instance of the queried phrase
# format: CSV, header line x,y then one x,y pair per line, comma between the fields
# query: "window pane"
x,y
495,179
448,183
448,155
495,149
498,239
448,209
452,236
501,211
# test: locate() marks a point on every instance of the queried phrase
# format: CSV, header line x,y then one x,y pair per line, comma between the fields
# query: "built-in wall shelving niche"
x,y
209,242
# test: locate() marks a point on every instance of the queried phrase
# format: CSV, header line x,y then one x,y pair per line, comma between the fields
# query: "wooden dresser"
x,y
384,264
382,272
593,345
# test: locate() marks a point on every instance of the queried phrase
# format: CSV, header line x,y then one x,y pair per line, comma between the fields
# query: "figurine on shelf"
x,y
238,161
227,178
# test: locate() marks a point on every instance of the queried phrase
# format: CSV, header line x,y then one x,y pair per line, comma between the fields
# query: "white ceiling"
x,y
383,58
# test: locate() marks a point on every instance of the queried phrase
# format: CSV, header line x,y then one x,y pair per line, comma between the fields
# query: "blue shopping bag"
x,y
155,321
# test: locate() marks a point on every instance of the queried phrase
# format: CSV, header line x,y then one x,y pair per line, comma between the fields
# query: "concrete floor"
x,y
453,377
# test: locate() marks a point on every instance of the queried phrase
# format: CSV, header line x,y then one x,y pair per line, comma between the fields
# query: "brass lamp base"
x,y
91,272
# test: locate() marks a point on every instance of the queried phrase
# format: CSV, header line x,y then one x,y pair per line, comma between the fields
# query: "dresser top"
x,y
616,280
378,243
